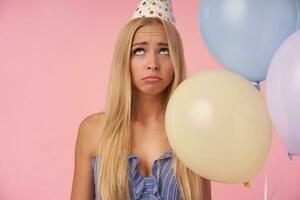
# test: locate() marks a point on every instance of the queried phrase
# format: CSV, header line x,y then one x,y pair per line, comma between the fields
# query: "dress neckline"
x,y
166,153
132,155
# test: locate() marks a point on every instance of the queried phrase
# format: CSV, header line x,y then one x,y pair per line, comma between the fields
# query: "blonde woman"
x,y
124,153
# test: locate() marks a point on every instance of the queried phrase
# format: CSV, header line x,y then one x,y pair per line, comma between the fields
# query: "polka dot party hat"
x,y
155,8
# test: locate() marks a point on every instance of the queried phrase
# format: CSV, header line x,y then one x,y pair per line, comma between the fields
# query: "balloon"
x,y
283,93
218,125
243,35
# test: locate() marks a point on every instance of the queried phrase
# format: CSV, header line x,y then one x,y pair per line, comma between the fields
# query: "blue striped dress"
x,y
161,185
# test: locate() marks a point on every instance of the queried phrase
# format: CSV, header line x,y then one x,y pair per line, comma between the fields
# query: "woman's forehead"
x,y
149,32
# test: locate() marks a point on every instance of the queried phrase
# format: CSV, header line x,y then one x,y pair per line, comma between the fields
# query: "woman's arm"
x,y
83,182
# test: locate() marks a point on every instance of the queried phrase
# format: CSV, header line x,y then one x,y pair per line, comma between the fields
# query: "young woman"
x,y
124,153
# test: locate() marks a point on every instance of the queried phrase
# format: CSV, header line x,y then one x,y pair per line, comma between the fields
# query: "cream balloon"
x,y
218,125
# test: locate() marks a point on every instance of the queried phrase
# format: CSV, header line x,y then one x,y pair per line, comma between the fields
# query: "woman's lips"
x,y
152,80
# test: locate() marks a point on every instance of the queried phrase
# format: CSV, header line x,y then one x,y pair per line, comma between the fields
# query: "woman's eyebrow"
x,y
140,43
162,44
146,43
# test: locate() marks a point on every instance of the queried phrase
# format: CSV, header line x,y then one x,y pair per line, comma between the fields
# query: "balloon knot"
x,y
247,184
290,155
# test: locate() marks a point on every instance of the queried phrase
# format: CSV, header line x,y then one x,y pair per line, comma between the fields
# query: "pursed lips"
x,y
152,77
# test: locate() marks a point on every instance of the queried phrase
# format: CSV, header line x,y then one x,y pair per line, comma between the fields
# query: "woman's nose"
x,y
152,62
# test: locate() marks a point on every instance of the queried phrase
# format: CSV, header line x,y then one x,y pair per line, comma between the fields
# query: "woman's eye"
x,y
164,51
138,51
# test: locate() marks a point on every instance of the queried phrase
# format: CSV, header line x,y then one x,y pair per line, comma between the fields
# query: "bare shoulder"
x,y
89,133
88,136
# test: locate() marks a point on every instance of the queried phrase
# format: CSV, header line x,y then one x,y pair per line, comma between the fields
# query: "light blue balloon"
x,y
243,35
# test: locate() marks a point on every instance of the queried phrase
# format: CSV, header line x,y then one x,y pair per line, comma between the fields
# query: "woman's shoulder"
x,y
90,131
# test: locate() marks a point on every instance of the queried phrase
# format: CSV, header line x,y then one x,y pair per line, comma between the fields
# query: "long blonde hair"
x,y
115,143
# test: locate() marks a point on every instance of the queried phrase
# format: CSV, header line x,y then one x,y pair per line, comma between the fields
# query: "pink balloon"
x,y
283,92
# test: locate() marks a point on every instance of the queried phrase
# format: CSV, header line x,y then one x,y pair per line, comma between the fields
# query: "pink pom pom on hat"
x,y
155,8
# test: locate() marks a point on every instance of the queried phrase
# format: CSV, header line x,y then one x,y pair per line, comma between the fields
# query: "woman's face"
x,y
150,57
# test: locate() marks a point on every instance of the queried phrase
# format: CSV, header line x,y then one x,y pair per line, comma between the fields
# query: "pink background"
x,y
55,60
